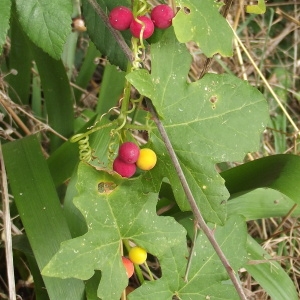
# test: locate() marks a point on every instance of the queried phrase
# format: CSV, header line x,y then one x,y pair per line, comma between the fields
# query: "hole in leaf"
x,y
186,10
106,187
154,266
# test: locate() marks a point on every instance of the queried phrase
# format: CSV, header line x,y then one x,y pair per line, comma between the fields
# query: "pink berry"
x,y
120,18
129,152
136,27
162,16
124,169
128,266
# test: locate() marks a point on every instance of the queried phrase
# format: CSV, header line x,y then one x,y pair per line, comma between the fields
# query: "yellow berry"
x,y
137,255
147,159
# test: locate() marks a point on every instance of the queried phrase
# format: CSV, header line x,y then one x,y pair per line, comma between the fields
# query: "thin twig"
x,y
117,35
13,114
196,212
284,219
7,232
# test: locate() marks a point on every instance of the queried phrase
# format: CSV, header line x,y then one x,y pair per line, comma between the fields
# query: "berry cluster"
x,y
137,255
121,18
130,156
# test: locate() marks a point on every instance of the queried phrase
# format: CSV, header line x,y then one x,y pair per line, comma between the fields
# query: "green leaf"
x,y
101,36
218,118
47,23
86,71
39,209
21,243
57,94
279,172
21,63
207,277
200,21
271,204
114,209
108,97
5,6
260,8
268,273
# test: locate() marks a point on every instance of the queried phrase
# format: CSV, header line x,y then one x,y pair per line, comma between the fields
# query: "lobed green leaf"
x,y
200,21
114,209
217,118
207,278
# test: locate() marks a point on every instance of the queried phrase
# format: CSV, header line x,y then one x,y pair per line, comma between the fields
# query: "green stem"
x,y
137,127
136,110
149,271
75,138
139,274
127,90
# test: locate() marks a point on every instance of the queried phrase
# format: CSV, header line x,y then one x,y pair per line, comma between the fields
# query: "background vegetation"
x,y
53,86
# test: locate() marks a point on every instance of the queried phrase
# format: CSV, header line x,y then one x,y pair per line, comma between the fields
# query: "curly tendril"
x,y
138,44
85,150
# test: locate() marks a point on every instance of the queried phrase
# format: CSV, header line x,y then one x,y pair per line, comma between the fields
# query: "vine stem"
x,y
196,212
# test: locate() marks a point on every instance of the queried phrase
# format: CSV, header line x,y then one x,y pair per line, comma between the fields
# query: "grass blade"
x,y
87,69
268,273
57,94
271,204
279,172
39,209
109,97
22,63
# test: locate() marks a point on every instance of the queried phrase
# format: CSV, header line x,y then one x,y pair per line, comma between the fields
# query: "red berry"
x,y
124,169
120,18
162,16
128,266
136,27
129,152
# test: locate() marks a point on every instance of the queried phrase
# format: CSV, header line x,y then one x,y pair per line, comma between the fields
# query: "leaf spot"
x,y
106,187
213,99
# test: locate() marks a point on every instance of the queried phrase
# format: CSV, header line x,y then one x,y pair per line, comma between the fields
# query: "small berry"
x,y
147,159
120,18
137,255
136,27
129,152
162,16
78,25
124,169
128,266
